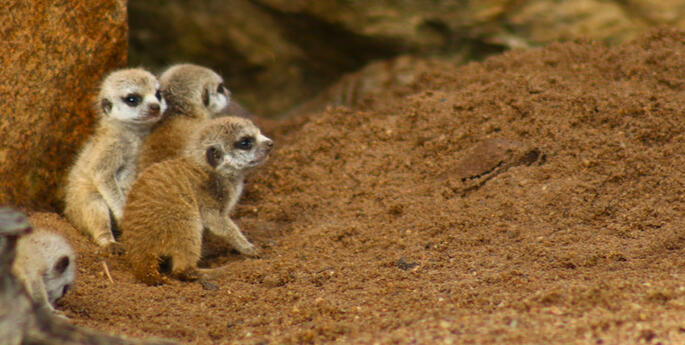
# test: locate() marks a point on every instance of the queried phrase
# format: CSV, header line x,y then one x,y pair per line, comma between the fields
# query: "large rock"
x,y
53,56
278,53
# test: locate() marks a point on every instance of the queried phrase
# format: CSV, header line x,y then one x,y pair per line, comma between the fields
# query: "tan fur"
x,y
45,264
186,88
173,201
105,168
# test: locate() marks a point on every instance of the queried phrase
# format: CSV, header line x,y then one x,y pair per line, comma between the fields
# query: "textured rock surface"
x,y
276,54
53,57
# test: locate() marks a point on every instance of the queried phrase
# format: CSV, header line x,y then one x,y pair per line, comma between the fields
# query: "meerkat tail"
x,y
145,267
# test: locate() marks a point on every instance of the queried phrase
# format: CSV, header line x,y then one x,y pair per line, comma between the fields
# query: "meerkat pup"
x,y
46,265
128,104
172,201
194,94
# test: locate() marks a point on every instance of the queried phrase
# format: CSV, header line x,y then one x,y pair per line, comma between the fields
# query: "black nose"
x,y
270,143
154,107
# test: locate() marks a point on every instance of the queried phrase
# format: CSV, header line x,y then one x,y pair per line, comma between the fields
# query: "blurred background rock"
x,y
278,54
279,57
53,56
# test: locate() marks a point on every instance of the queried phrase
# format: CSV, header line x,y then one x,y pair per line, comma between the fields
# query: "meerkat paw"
x,y
112,249
250,250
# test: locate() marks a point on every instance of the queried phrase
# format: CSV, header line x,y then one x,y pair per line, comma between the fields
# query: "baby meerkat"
x,y
194,94
128,104
46,265
171,202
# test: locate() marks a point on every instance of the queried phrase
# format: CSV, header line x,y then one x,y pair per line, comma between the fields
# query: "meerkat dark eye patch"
x,y
205,97
214,156
158,95
61,264
132,99
106,106
244,143
220,88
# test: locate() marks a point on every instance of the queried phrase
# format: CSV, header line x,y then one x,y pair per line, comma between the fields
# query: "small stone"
x,y
272,280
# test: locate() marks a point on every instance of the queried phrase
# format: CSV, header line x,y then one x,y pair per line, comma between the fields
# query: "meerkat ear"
x,y
214,156
61,264
106,105
205,97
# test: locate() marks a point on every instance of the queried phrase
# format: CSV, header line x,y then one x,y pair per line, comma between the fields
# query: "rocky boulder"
x,y
54,55
276,54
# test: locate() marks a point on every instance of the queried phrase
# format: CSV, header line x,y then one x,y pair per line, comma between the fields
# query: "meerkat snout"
x,y
265,145
155,107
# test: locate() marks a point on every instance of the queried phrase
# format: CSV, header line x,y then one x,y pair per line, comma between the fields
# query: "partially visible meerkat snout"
x,y
194,94
46,264
171,202
128,105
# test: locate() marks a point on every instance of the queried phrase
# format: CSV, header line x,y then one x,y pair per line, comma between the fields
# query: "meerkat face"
x,y
59,278
193,89
233,145
248,150
132,95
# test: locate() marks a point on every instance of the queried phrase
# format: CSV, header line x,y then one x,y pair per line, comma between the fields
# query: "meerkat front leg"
x,y
111,193
221,225
91,215
108,212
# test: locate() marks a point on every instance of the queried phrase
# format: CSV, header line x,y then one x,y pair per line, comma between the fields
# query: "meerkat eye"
x,y
62,264
244,143
158,95
133,99
220,88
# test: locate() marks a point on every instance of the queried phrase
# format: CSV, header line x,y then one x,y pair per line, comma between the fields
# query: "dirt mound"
x,y
535,197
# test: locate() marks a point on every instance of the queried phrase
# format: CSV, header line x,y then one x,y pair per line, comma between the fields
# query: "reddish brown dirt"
x,y
535,197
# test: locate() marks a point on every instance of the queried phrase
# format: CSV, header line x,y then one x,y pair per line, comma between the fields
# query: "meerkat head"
x,y
194,90
131,95
60,264
230,145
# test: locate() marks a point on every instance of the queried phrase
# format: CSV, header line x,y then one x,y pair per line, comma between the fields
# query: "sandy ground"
x,y
536,197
